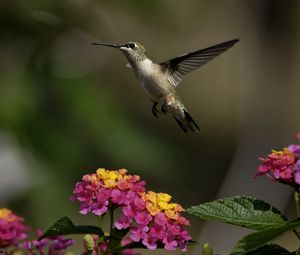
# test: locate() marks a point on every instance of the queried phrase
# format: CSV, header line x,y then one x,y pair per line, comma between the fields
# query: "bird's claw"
x,y
154,109
164,109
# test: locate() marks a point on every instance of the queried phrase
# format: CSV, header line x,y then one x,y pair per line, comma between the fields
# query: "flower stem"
x,y
100,221
111,214
297,201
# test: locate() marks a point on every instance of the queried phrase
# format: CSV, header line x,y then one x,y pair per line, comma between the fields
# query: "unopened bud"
x,y
206,249
88,243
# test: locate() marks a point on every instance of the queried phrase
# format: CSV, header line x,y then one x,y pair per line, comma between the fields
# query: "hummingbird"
x,y
160,80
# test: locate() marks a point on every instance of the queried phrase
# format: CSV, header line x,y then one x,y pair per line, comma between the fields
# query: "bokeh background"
x,y
68,107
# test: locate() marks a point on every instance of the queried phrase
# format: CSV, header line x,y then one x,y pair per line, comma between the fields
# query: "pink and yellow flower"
x,y
150,217
12,229
283,166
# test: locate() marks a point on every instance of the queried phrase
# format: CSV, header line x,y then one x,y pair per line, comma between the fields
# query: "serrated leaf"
x,y
242,211
65,226
257,239
273,249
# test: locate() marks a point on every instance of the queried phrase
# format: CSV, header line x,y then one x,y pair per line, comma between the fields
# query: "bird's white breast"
x,y
146,66
151,81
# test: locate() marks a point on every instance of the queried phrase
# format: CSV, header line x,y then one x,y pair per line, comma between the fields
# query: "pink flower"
x,y
143,218
283,166
279,165
297,173
157,231
124,185
103,194
174,228
119,197
129,211
150,242
138,186
12,229
183,221
160,219
50,246
170,243
59,244
123,222
138,233
139,203
184,234
99,208
39,244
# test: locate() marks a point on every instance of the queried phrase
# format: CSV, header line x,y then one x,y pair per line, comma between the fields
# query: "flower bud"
x,y
206,249
89,243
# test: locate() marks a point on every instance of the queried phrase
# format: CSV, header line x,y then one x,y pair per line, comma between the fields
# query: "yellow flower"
x,y
7,215
152,209
101,173
171,214
4,213
109,183
164,205
110,178
163,197
285,150
151,196
113,175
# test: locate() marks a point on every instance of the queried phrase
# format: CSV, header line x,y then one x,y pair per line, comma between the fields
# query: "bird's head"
x,y
134,51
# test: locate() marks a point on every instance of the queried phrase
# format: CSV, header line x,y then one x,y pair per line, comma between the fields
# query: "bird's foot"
x,y
164,109
154,109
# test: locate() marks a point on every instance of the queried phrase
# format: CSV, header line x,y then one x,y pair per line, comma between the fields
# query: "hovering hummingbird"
x,y
160,80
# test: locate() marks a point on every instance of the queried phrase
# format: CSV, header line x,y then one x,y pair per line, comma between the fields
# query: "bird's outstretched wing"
x,y
177,67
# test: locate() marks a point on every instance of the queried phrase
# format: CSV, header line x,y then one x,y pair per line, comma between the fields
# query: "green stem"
x,y
101,221
297,201
111,214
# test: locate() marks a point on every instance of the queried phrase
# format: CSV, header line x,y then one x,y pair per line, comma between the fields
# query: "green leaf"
x,y
140,245
65,226
135,245
273,249
118,234
242,211
115,239
257,239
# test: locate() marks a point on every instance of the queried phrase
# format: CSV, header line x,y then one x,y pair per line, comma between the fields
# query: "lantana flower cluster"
x,y
12,228
51,245
283,166
14,234
150,217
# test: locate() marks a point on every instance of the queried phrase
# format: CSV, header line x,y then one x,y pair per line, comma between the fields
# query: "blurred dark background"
x,y
68,107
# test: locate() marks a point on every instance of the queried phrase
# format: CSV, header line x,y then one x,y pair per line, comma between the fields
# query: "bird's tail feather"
x,y
187,124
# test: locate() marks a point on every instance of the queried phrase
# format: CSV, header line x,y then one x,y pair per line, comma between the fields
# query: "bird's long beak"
x,y
108,44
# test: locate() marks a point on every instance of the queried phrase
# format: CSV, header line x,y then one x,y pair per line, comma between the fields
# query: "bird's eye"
x,y
131,45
